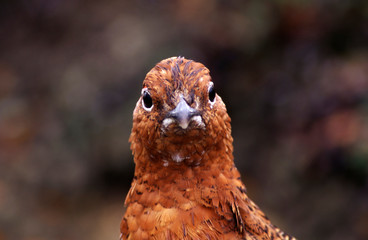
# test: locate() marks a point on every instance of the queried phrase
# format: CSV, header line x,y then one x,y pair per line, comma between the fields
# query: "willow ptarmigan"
x,y
185,184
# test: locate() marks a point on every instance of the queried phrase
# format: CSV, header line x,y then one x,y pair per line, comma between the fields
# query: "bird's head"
x,y
179,114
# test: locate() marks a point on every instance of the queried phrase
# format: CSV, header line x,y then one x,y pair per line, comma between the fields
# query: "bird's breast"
x,y
179,204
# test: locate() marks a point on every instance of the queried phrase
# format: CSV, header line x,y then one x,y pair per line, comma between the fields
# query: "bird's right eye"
x,y
147,100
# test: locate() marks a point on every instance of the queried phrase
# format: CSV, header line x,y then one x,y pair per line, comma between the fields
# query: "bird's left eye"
x,y
211,93
147,100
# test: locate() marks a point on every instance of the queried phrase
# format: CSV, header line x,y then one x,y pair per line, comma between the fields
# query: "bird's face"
x,y
178,107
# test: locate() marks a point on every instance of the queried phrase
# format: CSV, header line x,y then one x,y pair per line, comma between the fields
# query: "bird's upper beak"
x,y
183,113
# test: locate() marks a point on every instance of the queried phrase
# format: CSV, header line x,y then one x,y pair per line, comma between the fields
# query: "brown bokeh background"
x,y
294,76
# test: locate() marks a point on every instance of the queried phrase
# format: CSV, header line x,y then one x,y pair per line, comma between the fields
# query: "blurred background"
x,y
293,73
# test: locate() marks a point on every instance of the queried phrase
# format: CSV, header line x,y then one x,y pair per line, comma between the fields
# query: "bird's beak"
x,y
183,113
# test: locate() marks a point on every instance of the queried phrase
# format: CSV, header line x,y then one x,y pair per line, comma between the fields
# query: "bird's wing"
x,y
251,220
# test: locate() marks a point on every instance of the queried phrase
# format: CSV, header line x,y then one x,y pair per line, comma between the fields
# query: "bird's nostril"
x,y
187,100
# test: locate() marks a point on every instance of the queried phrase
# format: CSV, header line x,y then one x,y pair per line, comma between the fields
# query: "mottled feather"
x,y
186,185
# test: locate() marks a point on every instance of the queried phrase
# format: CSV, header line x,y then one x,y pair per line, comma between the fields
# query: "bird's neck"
x,y
175,158
169,174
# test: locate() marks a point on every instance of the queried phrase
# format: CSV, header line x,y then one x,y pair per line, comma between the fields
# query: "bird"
x,y
185,184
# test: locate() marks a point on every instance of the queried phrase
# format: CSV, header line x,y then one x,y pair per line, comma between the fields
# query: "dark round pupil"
x,y
211,94
147,100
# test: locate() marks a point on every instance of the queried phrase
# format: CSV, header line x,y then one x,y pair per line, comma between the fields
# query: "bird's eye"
x,y
211,93
146,100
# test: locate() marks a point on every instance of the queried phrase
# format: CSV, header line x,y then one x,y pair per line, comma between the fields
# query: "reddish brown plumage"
x,y
186,185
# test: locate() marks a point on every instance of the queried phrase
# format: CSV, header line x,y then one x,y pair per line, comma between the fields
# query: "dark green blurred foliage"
x,y
294,76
